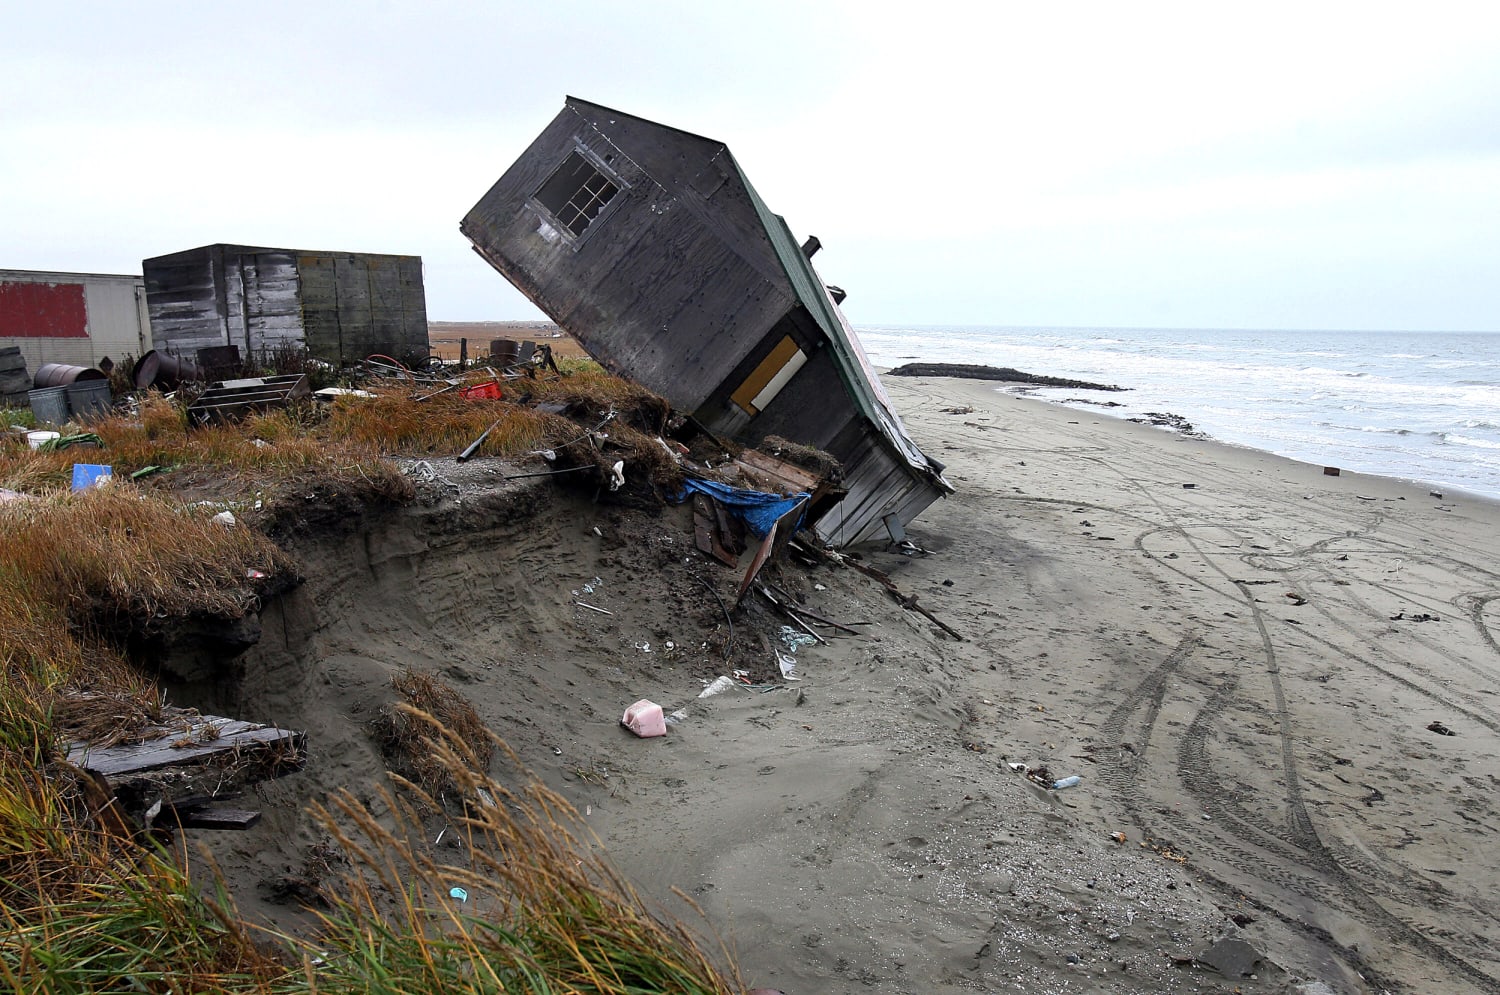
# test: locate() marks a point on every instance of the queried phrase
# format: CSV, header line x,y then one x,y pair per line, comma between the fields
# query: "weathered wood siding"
x,y
341,307
649,289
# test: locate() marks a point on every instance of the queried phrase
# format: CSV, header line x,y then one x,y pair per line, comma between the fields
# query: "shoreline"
x,y
1119,413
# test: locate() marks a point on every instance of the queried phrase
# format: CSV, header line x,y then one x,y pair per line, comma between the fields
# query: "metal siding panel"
x,y
114,313
43,310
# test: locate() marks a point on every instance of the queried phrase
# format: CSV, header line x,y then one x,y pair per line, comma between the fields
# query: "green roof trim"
x,y
859,378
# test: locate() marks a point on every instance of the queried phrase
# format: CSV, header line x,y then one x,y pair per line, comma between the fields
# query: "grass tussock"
x,y
405,739
537,908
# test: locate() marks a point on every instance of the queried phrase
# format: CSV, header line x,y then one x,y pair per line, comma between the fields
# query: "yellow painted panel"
x,y
762,374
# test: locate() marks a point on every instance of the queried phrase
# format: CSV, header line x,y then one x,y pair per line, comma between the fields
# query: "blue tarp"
x,y
759,510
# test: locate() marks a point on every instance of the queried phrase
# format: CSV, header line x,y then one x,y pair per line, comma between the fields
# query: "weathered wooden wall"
x,y
650,288
340,306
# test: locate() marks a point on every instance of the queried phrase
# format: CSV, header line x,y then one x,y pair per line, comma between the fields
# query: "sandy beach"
x,y
1277,687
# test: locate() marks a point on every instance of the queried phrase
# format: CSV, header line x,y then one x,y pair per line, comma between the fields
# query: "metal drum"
x,y
60,375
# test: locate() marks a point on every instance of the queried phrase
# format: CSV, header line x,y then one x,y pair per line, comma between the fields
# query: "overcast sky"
x,y
1303,165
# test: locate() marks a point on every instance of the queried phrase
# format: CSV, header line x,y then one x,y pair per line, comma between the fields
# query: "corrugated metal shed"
x,y
339,306
73,318
650,246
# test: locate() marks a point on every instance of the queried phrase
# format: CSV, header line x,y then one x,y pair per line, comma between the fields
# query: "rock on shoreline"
x,y
972,371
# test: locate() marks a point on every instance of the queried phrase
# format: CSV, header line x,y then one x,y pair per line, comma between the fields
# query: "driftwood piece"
x,y
219,818
907,601
207,738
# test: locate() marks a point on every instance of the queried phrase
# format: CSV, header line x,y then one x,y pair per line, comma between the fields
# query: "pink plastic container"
x,y
645,719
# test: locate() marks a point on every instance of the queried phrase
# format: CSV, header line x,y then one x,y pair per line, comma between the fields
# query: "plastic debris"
x,y
794,640
718,686
645,719
1066,782
788,666
86,475
225,518
458,893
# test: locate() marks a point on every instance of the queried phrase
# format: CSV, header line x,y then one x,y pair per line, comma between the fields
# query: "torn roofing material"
x,y
649,245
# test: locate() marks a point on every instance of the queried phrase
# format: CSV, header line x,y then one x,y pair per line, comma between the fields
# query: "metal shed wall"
x,y
73,318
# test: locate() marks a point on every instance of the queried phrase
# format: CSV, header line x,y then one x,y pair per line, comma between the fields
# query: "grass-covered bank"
x,y
89,903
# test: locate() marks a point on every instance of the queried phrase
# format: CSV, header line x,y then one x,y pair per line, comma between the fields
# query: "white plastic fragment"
x,y
225,518
718,686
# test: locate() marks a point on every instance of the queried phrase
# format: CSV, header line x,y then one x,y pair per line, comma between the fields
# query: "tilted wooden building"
x,y
651,247
339,306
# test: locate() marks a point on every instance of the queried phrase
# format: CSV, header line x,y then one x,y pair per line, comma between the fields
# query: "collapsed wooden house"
x,y
649,245
338,306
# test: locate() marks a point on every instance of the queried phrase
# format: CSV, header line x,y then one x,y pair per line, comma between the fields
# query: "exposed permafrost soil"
x,y
859,830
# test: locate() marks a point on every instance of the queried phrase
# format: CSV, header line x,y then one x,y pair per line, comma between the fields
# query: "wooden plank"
x,y
769,367
186,747
219,818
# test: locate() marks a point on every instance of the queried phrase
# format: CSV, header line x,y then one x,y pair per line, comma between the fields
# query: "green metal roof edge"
x,y
812,295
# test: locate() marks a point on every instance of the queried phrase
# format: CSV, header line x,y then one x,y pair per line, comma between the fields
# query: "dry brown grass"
x,y
406,741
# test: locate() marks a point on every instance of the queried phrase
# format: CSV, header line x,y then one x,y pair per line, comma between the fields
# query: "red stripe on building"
x,y
43,311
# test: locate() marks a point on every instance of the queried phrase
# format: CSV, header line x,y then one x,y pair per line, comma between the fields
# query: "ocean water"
x,y
1421,406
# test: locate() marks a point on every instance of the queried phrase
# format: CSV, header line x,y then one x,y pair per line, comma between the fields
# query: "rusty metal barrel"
x,y
60,375
504,352
161,369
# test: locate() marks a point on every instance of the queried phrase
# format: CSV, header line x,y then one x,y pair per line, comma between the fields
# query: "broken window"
x,y
576,192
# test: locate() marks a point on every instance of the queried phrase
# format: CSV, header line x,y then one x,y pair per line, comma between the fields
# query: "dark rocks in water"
x,y
971,371
1167,420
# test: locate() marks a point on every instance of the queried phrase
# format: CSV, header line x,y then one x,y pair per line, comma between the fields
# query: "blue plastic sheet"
x,y
758,509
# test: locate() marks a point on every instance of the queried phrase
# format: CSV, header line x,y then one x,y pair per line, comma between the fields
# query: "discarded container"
x,y
487,391
719,685
60,374
86,475
1066,782
1330,471
160,369
645,719
49,404
89,397
37,438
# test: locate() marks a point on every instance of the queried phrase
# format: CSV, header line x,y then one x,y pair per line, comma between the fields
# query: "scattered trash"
x,y
617,475
788,666
1330,471
1419,617
487,391
717,686
225,518
458,893
86,475
794,640
36,439
1440,729
644,647
645,719
147,471
601,611
1066,782
1118,838
1296,598
677,717
1189,487
1436,494
254,574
